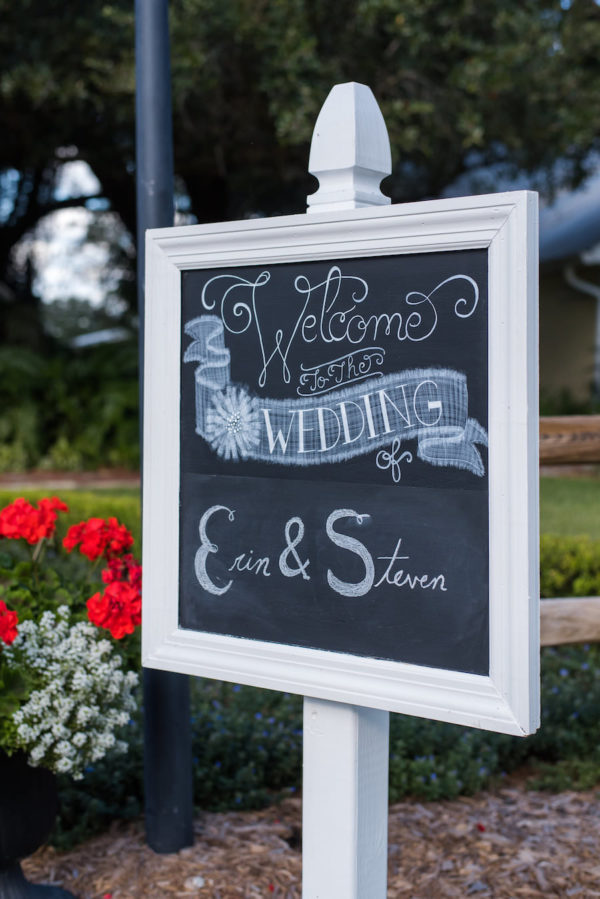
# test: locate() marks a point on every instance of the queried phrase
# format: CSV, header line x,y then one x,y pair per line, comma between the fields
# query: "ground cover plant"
x,y
247,743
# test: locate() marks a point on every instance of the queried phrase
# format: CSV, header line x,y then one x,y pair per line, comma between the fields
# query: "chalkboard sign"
x,y
334,449
330,405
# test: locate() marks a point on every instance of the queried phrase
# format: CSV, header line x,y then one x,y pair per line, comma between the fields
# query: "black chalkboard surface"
x,y
334,470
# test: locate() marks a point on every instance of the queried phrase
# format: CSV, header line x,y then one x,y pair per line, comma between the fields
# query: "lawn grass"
x,y
570,506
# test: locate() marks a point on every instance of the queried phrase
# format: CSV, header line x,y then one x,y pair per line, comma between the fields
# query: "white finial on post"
x,y
350,151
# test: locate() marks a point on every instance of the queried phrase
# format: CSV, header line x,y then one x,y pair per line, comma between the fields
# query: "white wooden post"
x,y
346,747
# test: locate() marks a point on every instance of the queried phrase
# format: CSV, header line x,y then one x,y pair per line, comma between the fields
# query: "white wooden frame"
x,y
505,224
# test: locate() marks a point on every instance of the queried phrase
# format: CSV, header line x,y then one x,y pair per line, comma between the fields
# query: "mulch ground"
x,y
509,844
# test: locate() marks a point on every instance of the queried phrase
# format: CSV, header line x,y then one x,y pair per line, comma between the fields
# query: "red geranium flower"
x,y
118,609
22,520
8,624
98,537
125,568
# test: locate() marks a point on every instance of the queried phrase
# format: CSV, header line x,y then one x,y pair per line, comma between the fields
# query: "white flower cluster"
x,y
69,722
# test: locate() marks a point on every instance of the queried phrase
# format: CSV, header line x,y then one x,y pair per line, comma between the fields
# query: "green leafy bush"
x,y
111,789
434,760
569,566
75,409
247,745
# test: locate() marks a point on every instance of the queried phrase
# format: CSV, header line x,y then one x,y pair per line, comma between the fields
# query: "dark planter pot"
x,y
28,807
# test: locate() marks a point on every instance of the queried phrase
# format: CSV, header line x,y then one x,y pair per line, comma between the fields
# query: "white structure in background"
x,y
67,263
570,232
106,335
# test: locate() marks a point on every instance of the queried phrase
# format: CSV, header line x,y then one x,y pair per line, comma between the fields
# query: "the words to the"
x,y
290,561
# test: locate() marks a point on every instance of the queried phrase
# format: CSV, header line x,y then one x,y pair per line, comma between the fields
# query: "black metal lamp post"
x,y
167,735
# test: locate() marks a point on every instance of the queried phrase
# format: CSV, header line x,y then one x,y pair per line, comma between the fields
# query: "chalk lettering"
x,y
354,546
402,578
206,548
335,319
246,562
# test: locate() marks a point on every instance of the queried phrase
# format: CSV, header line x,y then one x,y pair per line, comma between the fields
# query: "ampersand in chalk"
x,y
291,548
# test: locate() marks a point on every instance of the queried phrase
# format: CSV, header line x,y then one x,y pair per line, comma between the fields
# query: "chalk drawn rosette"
x,y
232,424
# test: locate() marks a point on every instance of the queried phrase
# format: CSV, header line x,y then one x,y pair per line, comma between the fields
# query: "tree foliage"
x,y
506,84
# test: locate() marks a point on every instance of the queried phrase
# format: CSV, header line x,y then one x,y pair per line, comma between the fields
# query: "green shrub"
x,y
570,703
247,745
75,409
569,566
567,774
434,760
61,456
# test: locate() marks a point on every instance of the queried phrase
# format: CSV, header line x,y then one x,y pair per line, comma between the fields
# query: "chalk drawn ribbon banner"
x,y
430,405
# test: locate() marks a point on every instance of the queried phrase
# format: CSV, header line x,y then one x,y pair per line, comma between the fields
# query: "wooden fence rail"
x,y
570,440
570,621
